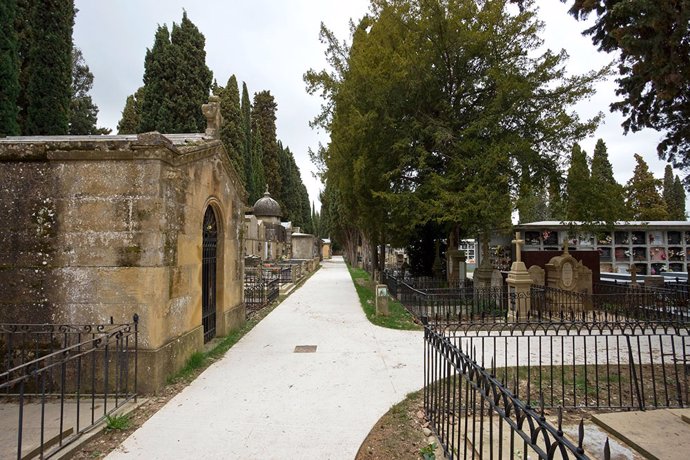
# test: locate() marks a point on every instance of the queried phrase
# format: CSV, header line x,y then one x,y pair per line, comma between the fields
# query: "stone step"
x,y
656,434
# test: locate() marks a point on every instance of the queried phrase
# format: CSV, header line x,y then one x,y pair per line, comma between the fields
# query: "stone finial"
x,y
214,119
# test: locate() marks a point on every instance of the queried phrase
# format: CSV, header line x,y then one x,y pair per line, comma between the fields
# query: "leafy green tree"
x,y
9,70
607,197
83,114
264,118
652,39
435,108
49,68
643,199
231,133
130,122
532,205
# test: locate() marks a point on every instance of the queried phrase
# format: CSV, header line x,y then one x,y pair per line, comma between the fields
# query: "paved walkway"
x,y
263,400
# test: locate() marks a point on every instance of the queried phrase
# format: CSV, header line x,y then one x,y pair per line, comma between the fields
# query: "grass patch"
x,y
117,423
201,360
398,318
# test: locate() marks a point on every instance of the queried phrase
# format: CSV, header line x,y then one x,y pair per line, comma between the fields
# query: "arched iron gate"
x,y
208,281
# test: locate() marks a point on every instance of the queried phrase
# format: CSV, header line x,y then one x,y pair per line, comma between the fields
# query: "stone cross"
x,y
518,247
565,246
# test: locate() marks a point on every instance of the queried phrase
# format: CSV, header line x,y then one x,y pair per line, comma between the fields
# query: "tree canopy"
x,y
9,70
436,108
177,80
643,199
653,42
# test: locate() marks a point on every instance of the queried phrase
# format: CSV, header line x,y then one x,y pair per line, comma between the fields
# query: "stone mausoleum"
x,y
101,227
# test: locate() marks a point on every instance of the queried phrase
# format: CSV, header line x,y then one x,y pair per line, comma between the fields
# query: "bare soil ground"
x,y
399,434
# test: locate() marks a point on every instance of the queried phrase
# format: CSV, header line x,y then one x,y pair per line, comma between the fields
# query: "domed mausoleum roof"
x,y
267,206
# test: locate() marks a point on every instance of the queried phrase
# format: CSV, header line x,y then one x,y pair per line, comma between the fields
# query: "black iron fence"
x,y
260,292
465,302
58,381
603,365
475,416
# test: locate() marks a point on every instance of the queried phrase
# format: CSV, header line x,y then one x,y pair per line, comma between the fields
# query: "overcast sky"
x,y
269,44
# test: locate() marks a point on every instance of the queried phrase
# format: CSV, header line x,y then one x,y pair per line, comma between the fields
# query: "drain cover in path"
x,y
305,349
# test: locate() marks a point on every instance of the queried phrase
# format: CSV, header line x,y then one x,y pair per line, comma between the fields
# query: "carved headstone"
x,y
537,274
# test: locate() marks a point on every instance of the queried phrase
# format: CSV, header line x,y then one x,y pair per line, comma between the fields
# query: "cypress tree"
x,y
9,70
258,180
131,114
578,186
678,210
667,191
49,68
191,79
264,117
608,201
643,200
83,114
23,28
246,123
158,69
231,133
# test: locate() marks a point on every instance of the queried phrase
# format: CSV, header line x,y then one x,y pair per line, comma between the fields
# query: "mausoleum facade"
x,y
96,228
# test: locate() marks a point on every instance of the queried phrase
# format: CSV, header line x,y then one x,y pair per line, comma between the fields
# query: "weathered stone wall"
x,y
109,227
303,246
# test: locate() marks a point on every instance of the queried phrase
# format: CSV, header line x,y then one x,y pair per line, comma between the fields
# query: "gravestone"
x,y
566,273
382,300
496,280
519,282
537,274
482,275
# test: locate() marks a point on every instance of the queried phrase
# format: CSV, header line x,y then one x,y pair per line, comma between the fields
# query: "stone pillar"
x,y
482,275
519,284
382,300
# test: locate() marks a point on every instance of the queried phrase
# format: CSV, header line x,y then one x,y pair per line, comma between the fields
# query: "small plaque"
x,y
382,291
567,274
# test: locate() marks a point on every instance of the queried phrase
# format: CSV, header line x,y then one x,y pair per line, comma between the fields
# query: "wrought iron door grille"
x,y
208,282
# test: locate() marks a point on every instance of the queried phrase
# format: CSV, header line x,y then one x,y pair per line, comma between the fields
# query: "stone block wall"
x,y
94,228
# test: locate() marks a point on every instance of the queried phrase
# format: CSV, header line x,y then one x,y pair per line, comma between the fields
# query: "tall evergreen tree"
x,y
679,200
578,190
643,199
246,123
231,133
192,78
673,195
49,68
264,117
24,29
667,190
9,70
131,114
257,179
176,80
607,197
156,107
83,114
